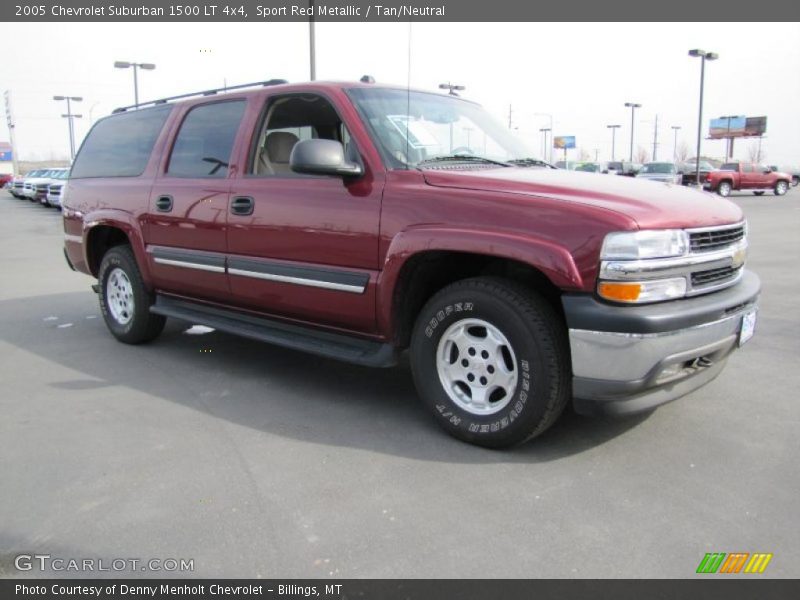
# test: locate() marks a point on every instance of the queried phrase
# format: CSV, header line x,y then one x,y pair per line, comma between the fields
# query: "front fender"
x,y
554,261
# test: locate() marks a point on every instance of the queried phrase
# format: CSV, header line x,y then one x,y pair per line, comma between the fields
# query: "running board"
x,y
322,343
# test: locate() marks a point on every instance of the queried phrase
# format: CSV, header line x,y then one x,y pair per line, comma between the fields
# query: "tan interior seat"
x,y
275,154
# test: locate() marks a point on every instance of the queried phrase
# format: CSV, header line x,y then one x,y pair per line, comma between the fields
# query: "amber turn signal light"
x,y
620,292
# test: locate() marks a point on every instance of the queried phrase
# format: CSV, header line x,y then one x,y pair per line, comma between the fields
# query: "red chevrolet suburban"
x,y
355,221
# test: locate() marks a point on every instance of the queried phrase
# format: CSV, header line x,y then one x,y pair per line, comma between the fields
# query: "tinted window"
x,y
205,140
729,167
120,145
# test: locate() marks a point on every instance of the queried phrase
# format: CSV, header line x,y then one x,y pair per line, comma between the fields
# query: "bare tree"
x,y
755,153
642,155
682,153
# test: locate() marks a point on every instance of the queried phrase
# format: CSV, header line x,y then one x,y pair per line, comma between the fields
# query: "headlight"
x,y
634,245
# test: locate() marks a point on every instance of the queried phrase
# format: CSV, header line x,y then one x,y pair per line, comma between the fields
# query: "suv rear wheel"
x,y
124,299
490,360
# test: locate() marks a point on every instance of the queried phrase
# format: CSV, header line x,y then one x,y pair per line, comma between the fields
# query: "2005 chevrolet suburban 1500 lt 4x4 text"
x,y
354,221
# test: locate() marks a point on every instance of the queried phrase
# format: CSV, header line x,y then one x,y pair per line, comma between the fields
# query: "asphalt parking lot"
x,y
256,461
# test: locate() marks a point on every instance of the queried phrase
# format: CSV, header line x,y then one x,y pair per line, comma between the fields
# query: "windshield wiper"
x,y
530,162
462,158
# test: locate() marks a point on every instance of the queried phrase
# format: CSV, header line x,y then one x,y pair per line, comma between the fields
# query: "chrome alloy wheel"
x,y
477,366
119,296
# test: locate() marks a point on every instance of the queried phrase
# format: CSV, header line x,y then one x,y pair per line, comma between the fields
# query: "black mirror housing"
x,y
322,157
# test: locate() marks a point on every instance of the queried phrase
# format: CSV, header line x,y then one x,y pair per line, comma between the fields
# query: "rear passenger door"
x,y
185,232
307,249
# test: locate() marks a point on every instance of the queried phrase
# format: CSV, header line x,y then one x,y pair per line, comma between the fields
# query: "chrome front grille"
x,y
714,276
714,239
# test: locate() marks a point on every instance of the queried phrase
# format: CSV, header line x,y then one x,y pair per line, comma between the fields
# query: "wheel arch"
x,y
423,262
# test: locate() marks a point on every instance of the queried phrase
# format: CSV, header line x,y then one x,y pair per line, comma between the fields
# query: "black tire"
x,y
795,180
538,340
138,325
781,187
759,192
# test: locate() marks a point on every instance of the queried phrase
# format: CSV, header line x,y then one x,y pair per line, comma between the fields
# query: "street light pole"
x,y
633,106
121,64
675,128
312,43
70,116
549,116
655,139
544,131
704,56
613,129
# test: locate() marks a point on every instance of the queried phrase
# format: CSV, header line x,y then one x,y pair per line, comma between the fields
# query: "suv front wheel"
x,y
490,359
124,299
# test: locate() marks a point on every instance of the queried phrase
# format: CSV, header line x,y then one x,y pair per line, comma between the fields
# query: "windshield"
x,y
658,168
417,127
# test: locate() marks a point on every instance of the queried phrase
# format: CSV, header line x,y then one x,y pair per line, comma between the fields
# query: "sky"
x,y
580,74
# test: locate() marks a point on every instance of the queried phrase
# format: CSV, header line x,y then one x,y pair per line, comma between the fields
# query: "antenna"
x,y
408,97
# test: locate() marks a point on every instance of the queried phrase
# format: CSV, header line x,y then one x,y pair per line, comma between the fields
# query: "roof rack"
x,y
201,93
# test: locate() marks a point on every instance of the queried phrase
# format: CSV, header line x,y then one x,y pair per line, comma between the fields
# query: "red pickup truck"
x,y
357,221
747,176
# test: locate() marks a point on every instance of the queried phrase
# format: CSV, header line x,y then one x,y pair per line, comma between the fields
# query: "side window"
x,y
748,168
288,120
205,140
120,145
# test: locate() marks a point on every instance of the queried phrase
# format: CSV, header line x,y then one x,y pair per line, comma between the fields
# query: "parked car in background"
x,y
688,171
793,171
569,165
56,187
664,172
16,185
29,183
622,167
590,167
6,179
747,176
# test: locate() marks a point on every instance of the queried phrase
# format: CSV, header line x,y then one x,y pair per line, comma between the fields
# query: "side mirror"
x,y
322,157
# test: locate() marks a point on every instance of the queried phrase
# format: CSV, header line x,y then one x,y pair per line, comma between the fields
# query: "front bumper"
x,y
628,359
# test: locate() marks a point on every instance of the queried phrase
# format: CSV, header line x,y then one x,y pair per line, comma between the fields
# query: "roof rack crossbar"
x,y
201,93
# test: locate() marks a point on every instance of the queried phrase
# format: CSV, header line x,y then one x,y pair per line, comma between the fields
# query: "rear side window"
x,y
119,146
205,140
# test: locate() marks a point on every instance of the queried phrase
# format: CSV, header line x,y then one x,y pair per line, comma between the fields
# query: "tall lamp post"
x,y
613,129
633,106
451,87
69,117
121,64
549,116
703,56
545,131
312,43
675,128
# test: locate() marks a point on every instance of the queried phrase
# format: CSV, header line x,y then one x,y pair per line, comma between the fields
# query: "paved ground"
x,y
257,461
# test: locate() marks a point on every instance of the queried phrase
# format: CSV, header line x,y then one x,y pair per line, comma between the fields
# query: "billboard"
x,y
5,152
564,141
740,126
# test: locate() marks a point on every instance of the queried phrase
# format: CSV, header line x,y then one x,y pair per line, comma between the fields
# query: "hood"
x,y
650,204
